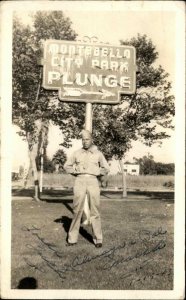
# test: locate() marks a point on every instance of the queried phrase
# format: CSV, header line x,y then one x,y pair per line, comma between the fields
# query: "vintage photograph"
x,y
93,159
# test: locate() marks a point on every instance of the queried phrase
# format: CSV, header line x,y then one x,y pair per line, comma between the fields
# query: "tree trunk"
x,y
33,154
124,195
33,144
41,171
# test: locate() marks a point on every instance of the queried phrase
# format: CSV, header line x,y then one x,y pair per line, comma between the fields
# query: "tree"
x,y
149,167
30,101
164,169
31,107
48,166
59,159
143,116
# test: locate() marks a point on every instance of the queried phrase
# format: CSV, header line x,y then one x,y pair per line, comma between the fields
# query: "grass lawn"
x,y
137,250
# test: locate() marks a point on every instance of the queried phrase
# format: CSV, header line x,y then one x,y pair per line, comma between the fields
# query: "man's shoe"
x,y
70,244
98,245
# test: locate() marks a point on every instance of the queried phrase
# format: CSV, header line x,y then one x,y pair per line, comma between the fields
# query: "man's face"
x,y
87,142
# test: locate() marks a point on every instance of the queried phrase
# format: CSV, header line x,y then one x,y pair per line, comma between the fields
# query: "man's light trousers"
x,y
85,184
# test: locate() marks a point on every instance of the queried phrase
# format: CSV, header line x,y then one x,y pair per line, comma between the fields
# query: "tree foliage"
x,y
32,106
149,167
30,101
143,116
48,166
59,158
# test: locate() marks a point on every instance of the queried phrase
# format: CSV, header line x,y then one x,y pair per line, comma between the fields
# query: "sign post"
x,y
89,72
88,117
88,126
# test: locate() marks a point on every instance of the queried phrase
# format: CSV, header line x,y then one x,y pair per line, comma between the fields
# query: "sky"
x,y
110,22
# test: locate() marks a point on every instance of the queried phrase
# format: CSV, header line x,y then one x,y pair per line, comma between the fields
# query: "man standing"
x,y
86,164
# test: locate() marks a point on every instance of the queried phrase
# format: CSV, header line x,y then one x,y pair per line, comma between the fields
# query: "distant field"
x,y
113,181
142,181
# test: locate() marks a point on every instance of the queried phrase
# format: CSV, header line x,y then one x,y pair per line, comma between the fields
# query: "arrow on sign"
x,y
74,92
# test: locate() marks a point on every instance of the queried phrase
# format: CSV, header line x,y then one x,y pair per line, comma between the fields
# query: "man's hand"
x,y
104,180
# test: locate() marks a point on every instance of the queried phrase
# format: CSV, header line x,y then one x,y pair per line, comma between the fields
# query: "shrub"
x,y
169,184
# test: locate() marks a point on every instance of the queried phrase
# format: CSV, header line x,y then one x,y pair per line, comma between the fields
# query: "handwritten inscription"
x,y
133,258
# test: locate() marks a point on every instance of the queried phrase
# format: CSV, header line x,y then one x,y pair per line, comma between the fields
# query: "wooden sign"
x,y
94,73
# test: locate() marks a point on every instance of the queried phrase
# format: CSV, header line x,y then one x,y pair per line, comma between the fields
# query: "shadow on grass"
x,y
86,235
145,195
27,283
66,221
29,192
68,206
23,192
66,196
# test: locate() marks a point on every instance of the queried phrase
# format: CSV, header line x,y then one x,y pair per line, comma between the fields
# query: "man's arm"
x,y
69,166
104,167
